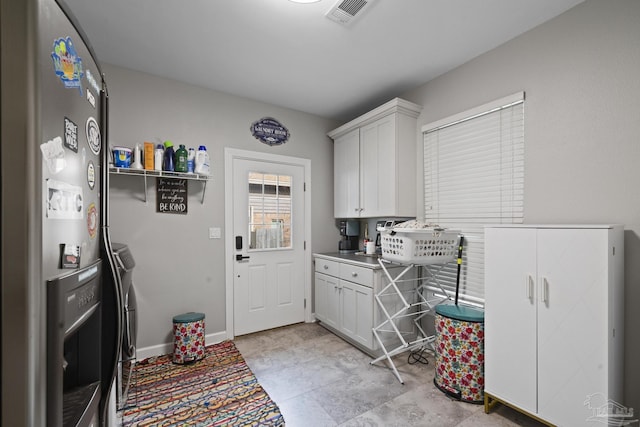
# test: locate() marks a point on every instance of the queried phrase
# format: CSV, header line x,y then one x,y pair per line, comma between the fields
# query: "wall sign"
x,y
172,196
269,131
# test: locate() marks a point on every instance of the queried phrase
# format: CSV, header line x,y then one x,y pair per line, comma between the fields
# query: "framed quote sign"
x,y
172,196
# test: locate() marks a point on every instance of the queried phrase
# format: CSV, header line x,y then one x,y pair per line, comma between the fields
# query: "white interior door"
x,y
268,255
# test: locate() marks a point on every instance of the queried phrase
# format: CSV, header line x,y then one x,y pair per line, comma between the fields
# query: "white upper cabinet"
x,y
346,175
375,162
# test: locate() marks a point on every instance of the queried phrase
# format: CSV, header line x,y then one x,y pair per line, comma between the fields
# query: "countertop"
x,y
358,258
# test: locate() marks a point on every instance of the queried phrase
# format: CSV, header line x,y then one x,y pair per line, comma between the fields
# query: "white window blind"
x,y
473,176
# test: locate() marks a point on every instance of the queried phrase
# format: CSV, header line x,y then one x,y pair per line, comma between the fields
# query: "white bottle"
x,y
202,161
191,160
137,158
158,157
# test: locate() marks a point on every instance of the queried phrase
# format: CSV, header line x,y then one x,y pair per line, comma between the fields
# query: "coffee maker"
x,y
349,232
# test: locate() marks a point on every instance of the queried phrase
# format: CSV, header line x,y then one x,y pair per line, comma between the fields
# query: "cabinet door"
x,y
356,312
572,322
378,168
326,299
346,175
510,316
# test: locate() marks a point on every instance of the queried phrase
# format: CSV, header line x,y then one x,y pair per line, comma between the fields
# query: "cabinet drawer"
x,y
353,273
327,267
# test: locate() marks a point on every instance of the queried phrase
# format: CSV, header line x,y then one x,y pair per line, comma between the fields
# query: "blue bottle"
x,y
169,157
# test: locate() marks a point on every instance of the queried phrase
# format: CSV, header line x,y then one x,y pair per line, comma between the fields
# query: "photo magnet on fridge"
x,y
69,256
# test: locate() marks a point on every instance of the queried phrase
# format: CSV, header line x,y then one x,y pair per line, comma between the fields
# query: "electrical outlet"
x,y
215,233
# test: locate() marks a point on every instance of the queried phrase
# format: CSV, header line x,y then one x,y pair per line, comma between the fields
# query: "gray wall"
x,y
581,75
178,268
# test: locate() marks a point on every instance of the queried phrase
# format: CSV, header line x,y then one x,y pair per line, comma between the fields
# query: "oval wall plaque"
x,y
269,131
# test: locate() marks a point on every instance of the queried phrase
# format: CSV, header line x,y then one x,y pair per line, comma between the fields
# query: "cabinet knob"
x,y
354,274
326,267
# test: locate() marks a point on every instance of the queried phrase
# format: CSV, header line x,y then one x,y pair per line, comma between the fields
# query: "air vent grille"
x,y
344,11
352,6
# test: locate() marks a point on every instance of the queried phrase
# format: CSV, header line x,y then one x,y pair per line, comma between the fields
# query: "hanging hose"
x,y
459,265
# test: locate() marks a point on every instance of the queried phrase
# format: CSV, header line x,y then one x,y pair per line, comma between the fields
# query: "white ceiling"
x,y
291,55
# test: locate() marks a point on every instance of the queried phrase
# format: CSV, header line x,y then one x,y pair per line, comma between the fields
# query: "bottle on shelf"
x,y
169,157
158,157
191,160
148,155
181,159
202,161
137,158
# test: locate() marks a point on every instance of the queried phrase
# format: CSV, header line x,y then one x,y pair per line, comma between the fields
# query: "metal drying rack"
x,y
428,291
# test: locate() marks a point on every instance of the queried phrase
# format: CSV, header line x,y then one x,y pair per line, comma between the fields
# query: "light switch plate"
x,y
215,233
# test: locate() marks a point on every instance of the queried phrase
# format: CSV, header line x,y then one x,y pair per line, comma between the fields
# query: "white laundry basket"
x,y
413,242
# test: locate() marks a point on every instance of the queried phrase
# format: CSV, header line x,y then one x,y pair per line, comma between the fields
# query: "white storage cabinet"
x,y
375,163
344,301
554,320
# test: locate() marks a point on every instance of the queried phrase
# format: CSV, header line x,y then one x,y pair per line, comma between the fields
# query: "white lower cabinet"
x,y
327,299
344,300
356,309
554,321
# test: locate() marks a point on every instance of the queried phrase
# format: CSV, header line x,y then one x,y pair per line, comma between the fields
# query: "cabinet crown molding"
x,y
396,105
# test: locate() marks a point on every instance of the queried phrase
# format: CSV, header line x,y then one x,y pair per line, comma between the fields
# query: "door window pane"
x,y
269,211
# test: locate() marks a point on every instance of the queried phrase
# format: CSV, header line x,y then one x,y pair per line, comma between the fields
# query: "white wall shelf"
x,y
161,174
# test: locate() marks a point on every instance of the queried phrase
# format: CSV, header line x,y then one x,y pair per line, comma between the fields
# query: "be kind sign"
x,y
172,196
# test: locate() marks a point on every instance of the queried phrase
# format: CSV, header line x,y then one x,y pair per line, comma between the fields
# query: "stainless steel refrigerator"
x,y
61,304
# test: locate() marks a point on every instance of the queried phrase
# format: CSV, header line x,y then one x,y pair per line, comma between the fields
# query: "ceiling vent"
x,y
345,11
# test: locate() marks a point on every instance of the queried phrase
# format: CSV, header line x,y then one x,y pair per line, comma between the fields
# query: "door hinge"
x,y
305,303
305,245
304,186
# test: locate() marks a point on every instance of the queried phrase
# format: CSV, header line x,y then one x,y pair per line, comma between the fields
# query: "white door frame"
x,y
230,154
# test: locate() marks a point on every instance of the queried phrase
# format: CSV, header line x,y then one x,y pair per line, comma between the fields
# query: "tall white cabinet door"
x,y
378,167
572,321
510,316
356,312
346,175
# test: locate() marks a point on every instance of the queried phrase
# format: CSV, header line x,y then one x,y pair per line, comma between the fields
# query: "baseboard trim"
x,y
167,348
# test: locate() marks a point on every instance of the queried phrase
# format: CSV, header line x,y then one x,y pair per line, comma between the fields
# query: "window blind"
x,y
473,176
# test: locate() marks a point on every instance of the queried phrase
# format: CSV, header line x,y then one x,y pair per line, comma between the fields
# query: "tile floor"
x,y
317,379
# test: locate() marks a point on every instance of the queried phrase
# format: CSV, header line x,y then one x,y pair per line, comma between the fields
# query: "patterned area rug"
x,y
219,390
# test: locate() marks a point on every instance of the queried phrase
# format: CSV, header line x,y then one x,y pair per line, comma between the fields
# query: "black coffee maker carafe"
x,y
349,232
